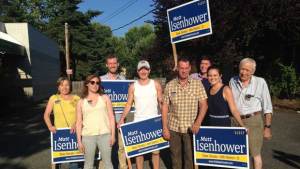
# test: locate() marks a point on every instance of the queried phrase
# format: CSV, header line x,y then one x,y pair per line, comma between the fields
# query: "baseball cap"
x,y
143,63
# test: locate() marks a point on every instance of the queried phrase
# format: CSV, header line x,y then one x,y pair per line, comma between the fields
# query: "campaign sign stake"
x,y
225,147
143,137
117,90
64,147
190,20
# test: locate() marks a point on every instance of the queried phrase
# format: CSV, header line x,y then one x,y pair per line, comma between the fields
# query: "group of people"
x,y
187,102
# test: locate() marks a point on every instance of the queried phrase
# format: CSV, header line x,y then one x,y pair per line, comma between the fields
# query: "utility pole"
x,y
68,70
174,56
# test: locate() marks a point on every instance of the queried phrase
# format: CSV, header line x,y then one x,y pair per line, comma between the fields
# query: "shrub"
x,y
286,83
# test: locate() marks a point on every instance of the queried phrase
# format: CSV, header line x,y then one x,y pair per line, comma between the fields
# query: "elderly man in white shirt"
x,y
252,97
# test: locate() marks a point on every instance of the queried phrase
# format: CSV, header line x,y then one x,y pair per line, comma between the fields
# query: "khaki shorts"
x,y
255,133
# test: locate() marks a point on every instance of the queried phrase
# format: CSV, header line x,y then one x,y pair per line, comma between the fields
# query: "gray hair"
x,y
249,60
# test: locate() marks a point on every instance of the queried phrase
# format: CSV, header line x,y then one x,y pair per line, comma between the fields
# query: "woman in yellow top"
x,y
63,106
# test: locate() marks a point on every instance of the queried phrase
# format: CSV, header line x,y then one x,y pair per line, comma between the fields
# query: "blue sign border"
x,y
119,109
215,165
194,34
163,145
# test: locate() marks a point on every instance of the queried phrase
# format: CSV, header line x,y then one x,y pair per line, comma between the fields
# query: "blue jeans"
x,y
102,142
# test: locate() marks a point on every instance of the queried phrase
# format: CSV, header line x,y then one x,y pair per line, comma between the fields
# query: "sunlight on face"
x,y
214,76
64,87
204,65
93,85
112,65
246,71
143,73
184,69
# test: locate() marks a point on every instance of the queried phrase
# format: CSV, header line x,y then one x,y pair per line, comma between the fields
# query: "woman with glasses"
x,y
63,105
95,123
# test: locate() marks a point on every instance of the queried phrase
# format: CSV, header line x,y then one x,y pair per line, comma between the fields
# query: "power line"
x,y
133,20
119,10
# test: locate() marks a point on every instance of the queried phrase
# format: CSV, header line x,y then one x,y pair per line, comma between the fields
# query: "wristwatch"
x,y
267,126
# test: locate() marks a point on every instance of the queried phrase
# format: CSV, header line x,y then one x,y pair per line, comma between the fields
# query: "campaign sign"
x,y
64,147
117,90
190,20
225,147
142,137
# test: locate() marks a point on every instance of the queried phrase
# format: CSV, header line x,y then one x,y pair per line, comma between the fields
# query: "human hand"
x,y
73,129
112,140
267,133
195,128
120,123
166,134
80,147
52,129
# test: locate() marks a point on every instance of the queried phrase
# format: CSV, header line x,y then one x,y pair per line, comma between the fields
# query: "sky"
x,y
117,13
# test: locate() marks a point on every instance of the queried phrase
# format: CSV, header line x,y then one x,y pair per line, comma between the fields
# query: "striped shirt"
x,y
183,103
252,98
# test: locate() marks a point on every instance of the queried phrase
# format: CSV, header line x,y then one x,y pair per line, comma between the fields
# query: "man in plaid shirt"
x,y
183,97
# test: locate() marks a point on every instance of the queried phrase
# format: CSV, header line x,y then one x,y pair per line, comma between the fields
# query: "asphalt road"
x,y
25,141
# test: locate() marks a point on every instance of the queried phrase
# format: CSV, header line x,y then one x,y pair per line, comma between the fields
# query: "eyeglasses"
x,y
94,82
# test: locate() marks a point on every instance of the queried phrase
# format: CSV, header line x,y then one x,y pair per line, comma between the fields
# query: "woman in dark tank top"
x,y
220,101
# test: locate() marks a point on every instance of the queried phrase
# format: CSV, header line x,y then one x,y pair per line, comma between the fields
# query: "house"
x,y
29,63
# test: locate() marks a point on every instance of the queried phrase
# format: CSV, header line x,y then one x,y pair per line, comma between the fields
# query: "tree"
x,y
262,29
139,42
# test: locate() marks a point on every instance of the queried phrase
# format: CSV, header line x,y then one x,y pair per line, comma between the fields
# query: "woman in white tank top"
x,y
147,97
95,124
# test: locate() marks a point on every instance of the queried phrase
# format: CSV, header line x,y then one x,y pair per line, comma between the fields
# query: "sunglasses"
x,y
94,82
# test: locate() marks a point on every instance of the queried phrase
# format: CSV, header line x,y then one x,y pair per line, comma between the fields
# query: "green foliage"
x,y
89,42
286,83
262,29
136,45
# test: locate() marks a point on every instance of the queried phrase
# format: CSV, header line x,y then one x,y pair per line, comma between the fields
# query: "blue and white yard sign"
x,y
142,137
117,90
190,20
225,147
64,147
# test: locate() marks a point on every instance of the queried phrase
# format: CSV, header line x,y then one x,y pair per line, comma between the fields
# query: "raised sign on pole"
x,y
189,21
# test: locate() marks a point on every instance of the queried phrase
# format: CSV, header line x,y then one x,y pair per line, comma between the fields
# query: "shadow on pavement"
x,y
12,166
290,159
23,132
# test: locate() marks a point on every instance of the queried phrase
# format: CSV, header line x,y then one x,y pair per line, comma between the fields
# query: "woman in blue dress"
x,y
221,104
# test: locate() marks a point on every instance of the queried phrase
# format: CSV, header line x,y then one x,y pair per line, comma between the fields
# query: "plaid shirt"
x,y
183,103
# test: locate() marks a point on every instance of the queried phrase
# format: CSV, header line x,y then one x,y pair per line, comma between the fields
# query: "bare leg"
x,y
257,162
129,163
139,162
155,160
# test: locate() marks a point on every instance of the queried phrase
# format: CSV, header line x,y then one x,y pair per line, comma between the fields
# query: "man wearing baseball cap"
x,y
146,94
